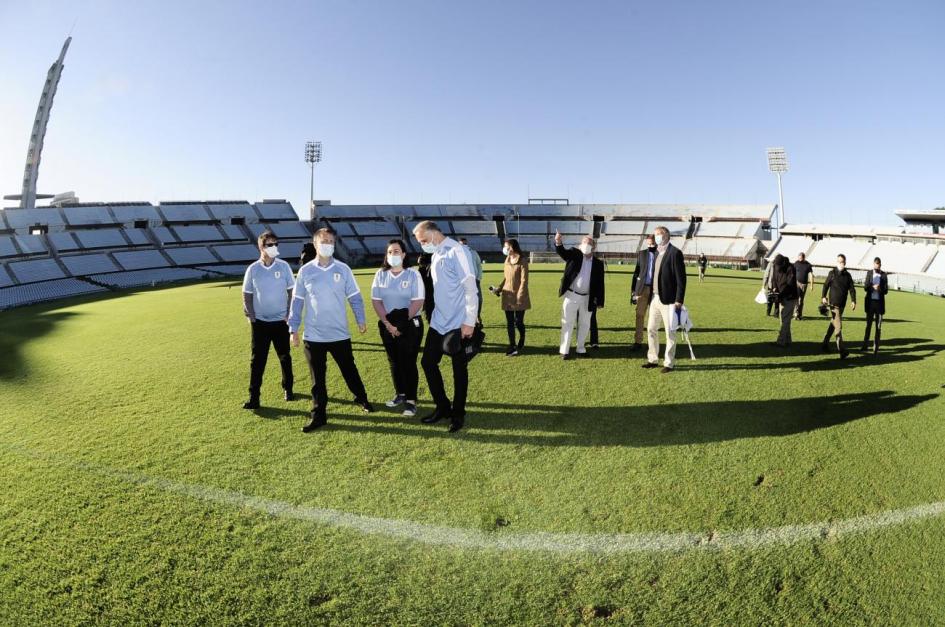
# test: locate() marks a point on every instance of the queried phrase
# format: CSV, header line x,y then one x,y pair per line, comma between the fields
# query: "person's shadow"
x,y
637,426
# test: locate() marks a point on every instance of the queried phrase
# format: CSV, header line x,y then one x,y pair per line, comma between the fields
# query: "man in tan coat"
x,y
513,290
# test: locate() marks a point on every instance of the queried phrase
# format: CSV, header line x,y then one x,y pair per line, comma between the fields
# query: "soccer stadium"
x,y
750,482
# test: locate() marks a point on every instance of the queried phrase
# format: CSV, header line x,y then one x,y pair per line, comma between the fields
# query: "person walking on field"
x,y
805,281
582,289
876,286
641,288
669,293
703,264
784,282
837,286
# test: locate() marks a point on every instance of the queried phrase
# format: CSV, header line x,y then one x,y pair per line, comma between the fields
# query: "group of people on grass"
x,y
445,288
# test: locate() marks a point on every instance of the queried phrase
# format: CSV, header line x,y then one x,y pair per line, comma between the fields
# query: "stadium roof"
x,y
852,230
761,213
922,216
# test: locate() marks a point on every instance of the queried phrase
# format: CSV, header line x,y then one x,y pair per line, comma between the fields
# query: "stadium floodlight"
x,y
313,155
777,163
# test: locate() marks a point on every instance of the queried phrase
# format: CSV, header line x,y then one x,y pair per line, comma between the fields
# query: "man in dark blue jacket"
x,y
876,286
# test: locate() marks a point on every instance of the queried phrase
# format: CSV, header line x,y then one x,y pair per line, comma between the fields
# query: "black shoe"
x,y
649,365
510,351
288,395
636,346
864,348
434,417
825,347
366,406
314,423
456,424
666,370
252,403
844,354
397,401
567,357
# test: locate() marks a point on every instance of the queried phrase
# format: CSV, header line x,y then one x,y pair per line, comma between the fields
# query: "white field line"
x,y
561,543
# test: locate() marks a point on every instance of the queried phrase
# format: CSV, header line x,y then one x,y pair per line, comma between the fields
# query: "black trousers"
x,y
402,352
316,353
479,296
264,334
515,320
594,337
872,315
432,354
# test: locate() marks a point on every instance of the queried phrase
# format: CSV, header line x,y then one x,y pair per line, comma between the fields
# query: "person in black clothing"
x,y
669,293
876,286
784,282
703,264
837,286
641,287
423,267
308,253
805,280
582,287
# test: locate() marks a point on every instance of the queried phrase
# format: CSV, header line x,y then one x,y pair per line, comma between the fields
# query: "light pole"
x,y
777,163
313,155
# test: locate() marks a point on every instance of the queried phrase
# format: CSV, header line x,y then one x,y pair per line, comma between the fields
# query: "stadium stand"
x,y
129,214
227,269
237,252
790,246
63,241
5,279
198,233
79,215
137,237
7,247
381,227
473,227
233,232
164,235
36,270
19,295
22,219
275,210
184,212
624,227
899,257
101,238
141,259
138,278
283,230
191,256
82,265
32,244
226,211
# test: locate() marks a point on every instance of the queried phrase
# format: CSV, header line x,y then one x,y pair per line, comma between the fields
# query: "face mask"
x,y
271,251
505,251
429,248
395,261
841,267
326,250
586,249
660,240
651,248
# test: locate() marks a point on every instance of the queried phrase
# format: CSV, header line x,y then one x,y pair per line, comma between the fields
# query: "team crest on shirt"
x,y
278,274
337,277
404,284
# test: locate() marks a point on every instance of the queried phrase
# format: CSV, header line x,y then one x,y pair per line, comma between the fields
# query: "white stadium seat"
x,y
19,295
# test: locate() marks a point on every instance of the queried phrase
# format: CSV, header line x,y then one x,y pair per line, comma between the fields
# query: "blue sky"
x,y
421,102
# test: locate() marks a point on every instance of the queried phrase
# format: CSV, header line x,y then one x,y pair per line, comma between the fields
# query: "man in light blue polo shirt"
x,y
267,291
324,289
455,304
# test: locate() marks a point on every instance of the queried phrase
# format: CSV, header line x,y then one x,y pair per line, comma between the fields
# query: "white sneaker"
x,y
396,401
410,409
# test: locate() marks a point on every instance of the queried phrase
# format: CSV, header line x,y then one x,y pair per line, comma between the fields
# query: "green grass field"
x,y
134,488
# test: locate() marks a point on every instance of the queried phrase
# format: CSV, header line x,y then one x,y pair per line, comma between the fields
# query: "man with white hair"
x,y
582,287
669,292
456,303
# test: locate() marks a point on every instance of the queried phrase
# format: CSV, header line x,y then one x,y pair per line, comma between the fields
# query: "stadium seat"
x,y
224,212
191,256
7,247
101,238
237,252
19,295
87,216
131,213
36,270
22,219
32,244
276,211
139,278
82,265
197,233
175,212
141,259
63,241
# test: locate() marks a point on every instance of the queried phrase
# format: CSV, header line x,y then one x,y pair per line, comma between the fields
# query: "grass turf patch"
x,y
746,436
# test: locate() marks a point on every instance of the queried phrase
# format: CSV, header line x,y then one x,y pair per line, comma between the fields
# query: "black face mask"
x,y
652,249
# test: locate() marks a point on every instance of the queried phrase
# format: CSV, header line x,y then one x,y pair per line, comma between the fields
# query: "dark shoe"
x,y
252,403
288,395
396,401
410,409
666,370
512,353
825,347
509,351
844,354
594,346
864,348
567,357
650,365
434,417
314,423
366,406
456,424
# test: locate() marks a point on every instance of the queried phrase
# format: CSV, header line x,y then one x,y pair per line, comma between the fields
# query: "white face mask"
x,y
586,248
395,261
271,251
505,251
429,248
660,240
841,267
326,250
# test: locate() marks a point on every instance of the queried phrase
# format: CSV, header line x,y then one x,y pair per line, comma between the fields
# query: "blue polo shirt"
x,y
269,286
455,297
322,294
397,291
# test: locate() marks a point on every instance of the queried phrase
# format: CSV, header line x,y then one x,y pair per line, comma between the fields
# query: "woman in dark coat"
x,y
784,284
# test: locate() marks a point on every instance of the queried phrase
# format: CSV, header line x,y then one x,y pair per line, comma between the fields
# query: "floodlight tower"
x,y
313,155
777,163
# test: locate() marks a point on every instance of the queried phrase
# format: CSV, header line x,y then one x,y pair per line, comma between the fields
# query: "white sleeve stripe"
x,y
463,260
354,293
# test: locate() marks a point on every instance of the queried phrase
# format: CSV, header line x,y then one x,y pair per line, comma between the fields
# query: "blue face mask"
x,y
428,248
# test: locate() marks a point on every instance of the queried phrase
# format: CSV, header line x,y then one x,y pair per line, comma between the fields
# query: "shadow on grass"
x,y
18,330
664,425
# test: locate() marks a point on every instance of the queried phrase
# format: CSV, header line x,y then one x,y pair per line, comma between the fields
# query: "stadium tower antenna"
x,y
34,153
777,163
313,155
